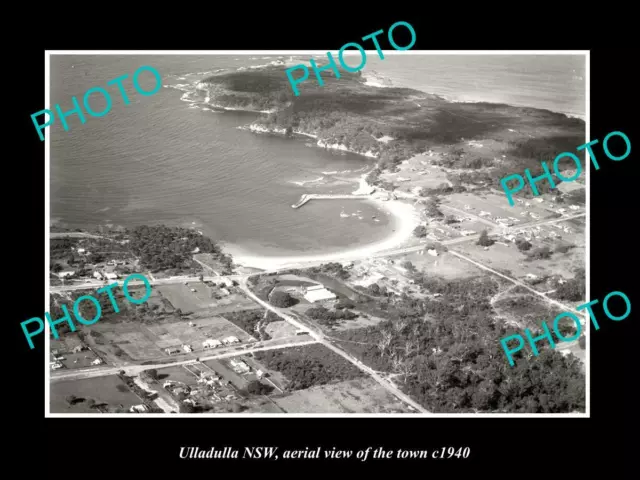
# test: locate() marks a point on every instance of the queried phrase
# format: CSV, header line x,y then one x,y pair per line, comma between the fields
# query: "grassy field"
x,y
500,257
110,390
176,374
179,333
280,329
362,395
182,297
444,265
525,310
204,298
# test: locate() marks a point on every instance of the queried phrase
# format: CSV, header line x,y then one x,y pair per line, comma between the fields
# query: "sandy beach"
x,y
406,216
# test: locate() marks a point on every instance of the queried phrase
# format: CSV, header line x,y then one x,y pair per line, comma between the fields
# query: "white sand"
x,y
406,215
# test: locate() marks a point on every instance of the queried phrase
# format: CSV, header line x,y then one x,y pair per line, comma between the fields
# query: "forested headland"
x,y
347,112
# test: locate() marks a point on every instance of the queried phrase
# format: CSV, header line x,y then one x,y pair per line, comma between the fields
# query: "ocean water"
x,y
552,82
162,159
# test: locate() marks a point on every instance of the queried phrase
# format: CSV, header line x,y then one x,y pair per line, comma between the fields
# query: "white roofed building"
x,y
211,343
317,293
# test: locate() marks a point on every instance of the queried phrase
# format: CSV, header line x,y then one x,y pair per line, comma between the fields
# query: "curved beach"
x,y
406,218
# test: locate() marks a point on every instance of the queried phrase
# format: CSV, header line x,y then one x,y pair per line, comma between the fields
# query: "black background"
x,y
128,447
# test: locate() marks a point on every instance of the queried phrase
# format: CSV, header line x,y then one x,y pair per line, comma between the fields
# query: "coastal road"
x,y
319,337
468,214
61,375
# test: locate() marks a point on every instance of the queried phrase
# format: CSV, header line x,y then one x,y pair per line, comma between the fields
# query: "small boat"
x,y
344,215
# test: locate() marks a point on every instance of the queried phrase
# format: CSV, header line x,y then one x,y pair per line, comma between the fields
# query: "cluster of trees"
x,y
161,247
455,158
540,253
308,366
522,244
328,317
282,299
373,178
563,248
442,189
572,290
333,269
378,291
431,208
150,376
484,239
420,231
256,387
448,354
60,248
248,320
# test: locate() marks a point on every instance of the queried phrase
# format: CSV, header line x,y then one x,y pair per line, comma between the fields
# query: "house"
x,y
224,291
55,365
181,389
139,408
239,366
432,252
187,348
172,351
230,340
97,361
211,343
111,276
78,348
574,207
97,275
318,293
67,273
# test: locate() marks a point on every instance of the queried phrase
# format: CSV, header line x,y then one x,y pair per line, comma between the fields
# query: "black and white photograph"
x,y
268,234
